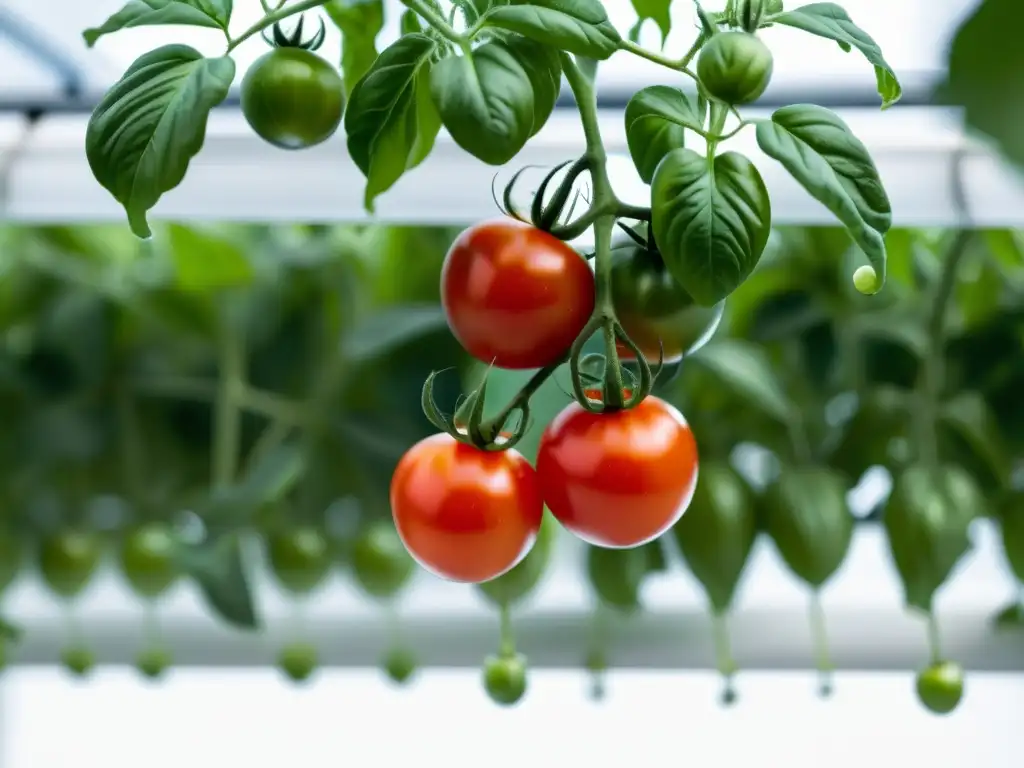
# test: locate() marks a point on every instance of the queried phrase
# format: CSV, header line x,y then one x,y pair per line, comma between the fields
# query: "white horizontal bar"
x,y
450,625
238,177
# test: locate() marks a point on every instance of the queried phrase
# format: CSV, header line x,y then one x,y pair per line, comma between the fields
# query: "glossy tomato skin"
x,y
464,514
618,480
515,296
656,313
292,98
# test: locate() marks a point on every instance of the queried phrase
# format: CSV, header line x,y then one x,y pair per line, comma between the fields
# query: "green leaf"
x,y
544,70
486,99
9,633
717,533
581,27
969,416
383,119
410,23
151,123
1011,520
218,568
387,329
658,12
617,575
215,14
986,64
819,151
744,367
1009,618
1007,246
927,519
517,584
711,220
204,261
806,515
830,21
656,119
359,24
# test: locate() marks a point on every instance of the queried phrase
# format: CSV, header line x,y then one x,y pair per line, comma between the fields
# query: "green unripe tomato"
x,y
399,665
298,661
655,312
380,562
153,663
940,687
292,98
68,560
300,559
11,558
79,661
735,67
147,560
505,679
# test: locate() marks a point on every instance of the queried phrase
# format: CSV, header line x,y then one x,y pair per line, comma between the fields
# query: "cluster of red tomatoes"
x,y
517,297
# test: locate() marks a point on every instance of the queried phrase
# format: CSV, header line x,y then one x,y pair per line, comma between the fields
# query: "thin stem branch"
x,y
506,636
438,22
819,633
934,638
282,13
270,405
227,424
676,65
933,371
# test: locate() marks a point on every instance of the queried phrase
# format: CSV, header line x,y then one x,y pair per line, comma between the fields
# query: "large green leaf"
x,y
986,64
743,367
388,132
151,123
711,220
658,11
833,22
806,515
218,568
656,121
486,100
581,27
819,151
927,519
147,13
359,24
205,261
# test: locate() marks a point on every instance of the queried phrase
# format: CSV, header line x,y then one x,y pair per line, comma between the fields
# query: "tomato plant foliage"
x,y
273,381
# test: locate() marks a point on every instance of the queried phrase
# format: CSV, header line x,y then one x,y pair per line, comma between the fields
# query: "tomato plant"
x,y
463,513
619,479
380,563
68,561
515,296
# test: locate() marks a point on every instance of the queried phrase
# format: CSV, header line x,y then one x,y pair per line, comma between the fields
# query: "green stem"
x,y
271,19
719,114
438,22
677,65
152,635
604,199
723,654
227,423
492,428
506,637
934,638
933,371
819,633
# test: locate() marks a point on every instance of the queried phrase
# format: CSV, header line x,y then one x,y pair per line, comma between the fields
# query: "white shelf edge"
x,y
237,177
450,626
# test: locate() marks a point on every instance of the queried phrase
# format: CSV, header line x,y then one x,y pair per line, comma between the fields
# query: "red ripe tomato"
x,y
465,514
619,479
515,296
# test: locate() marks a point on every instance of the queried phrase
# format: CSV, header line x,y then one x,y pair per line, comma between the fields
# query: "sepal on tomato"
x,y
467,424
279,38
554,214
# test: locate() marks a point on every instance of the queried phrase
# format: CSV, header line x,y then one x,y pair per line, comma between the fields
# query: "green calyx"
x,y
280,38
